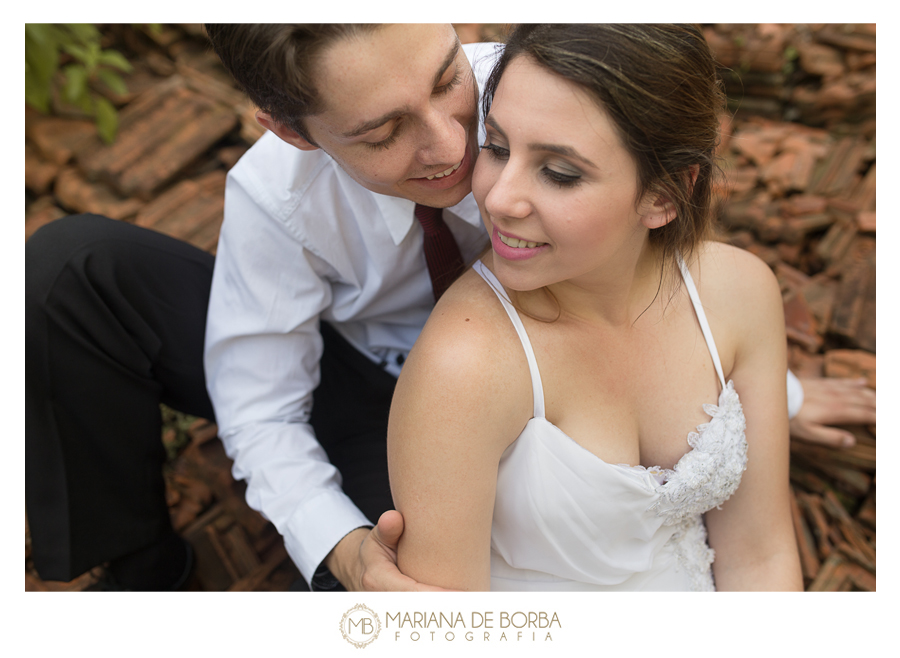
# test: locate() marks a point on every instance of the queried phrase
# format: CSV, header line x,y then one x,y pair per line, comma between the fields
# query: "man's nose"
x,y
444,139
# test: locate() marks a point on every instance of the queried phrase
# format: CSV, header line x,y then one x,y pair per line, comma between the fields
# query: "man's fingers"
x,y
842,413
833,402
378,555
822,435
831,388
389,529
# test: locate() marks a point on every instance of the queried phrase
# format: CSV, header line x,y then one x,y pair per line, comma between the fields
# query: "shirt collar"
x,y
399,214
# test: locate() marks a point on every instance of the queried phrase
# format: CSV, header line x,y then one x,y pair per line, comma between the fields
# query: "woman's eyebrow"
x,y
560,149
567,151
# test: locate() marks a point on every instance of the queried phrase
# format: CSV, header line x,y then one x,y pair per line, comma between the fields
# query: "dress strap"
x,y
536,386
701,317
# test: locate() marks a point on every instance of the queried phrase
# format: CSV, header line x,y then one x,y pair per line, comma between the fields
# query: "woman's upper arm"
x,y
752,533
455,410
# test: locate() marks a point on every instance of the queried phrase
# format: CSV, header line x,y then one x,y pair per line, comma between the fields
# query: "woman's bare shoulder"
x,y
731,276
740,295
470,351
469,322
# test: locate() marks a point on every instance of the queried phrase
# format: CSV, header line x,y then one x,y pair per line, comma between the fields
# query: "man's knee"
x,y
68,231
53,245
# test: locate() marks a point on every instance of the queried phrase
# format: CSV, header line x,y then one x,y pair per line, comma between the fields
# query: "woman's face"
x,y
554,183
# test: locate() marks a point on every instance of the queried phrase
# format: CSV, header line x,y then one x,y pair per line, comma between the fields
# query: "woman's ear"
x,y
289,135
657,213
661,210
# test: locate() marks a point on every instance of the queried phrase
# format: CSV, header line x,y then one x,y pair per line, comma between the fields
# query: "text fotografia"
x,y
477,626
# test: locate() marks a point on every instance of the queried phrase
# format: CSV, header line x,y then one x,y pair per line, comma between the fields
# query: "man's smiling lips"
x,y
449,177
445,173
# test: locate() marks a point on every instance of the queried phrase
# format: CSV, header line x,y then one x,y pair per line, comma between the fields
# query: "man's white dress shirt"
x,y
303,242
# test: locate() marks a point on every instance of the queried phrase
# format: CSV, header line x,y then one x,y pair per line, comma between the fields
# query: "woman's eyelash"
x,y
560,179
497,152
555,177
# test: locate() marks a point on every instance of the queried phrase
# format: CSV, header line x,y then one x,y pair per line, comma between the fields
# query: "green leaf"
x,y
76,82
84,33
89,54
107,119
37,95
93,55
44,42
115,59
58,33
113,81
41,60
77,51
40,34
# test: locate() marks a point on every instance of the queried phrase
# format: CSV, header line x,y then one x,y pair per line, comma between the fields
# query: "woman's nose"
x,y
507,197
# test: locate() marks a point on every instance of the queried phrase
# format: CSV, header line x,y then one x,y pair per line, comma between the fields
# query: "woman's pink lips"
x,y
513,253
446,182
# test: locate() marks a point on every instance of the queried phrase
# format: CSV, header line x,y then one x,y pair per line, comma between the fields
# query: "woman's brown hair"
x,y
659,85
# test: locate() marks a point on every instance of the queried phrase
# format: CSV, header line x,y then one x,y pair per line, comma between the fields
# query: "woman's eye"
x,y
561,179
497,152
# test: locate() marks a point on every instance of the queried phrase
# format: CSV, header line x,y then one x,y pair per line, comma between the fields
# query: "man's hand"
x,y
366,560
828,402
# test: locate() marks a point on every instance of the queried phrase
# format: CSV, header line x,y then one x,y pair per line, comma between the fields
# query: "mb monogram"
x,y
360,625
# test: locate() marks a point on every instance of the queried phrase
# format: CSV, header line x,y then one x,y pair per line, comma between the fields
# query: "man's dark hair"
x,y
274,64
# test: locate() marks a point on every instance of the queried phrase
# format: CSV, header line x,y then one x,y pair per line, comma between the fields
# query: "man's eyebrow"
x,y
447,62
567,151
375,123
393,114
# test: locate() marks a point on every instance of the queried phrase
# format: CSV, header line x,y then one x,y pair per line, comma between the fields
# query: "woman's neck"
x,y
616,294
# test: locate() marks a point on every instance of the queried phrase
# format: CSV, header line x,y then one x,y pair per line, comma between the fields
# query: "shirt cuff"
x,y
794,394
316,528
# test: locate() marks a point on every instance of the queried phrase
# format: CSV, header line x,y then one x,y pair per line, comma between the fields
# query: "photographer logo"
x,y
360,626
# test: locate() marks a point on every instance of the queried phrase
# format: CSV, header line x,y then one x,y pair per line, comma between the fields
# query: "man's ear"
x,y
289,135
661,210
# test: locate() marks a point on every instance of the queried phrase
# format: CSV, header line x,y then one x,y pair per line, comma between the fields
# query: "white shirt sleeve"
x,y
262,365
301,241
794,394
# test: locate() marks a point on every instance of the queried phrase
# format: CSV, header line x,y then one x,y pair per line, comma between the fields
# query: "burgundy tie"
x,y
442,256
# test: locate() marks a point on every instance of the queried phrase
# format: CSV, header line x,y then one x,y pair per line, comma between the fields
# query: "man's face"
x,y
400,108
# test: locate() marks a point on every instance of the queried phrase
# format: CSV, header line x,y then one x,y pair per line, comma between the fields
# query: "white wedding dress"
x,y
566,520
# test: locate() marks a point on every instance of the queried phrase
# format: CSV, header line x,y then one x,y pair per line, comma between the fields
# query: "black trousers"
x,y
115,317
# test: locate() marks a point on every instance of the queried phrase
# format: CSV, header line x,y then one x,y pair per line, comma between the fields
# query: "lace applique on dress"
x,y
694,554
707,475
